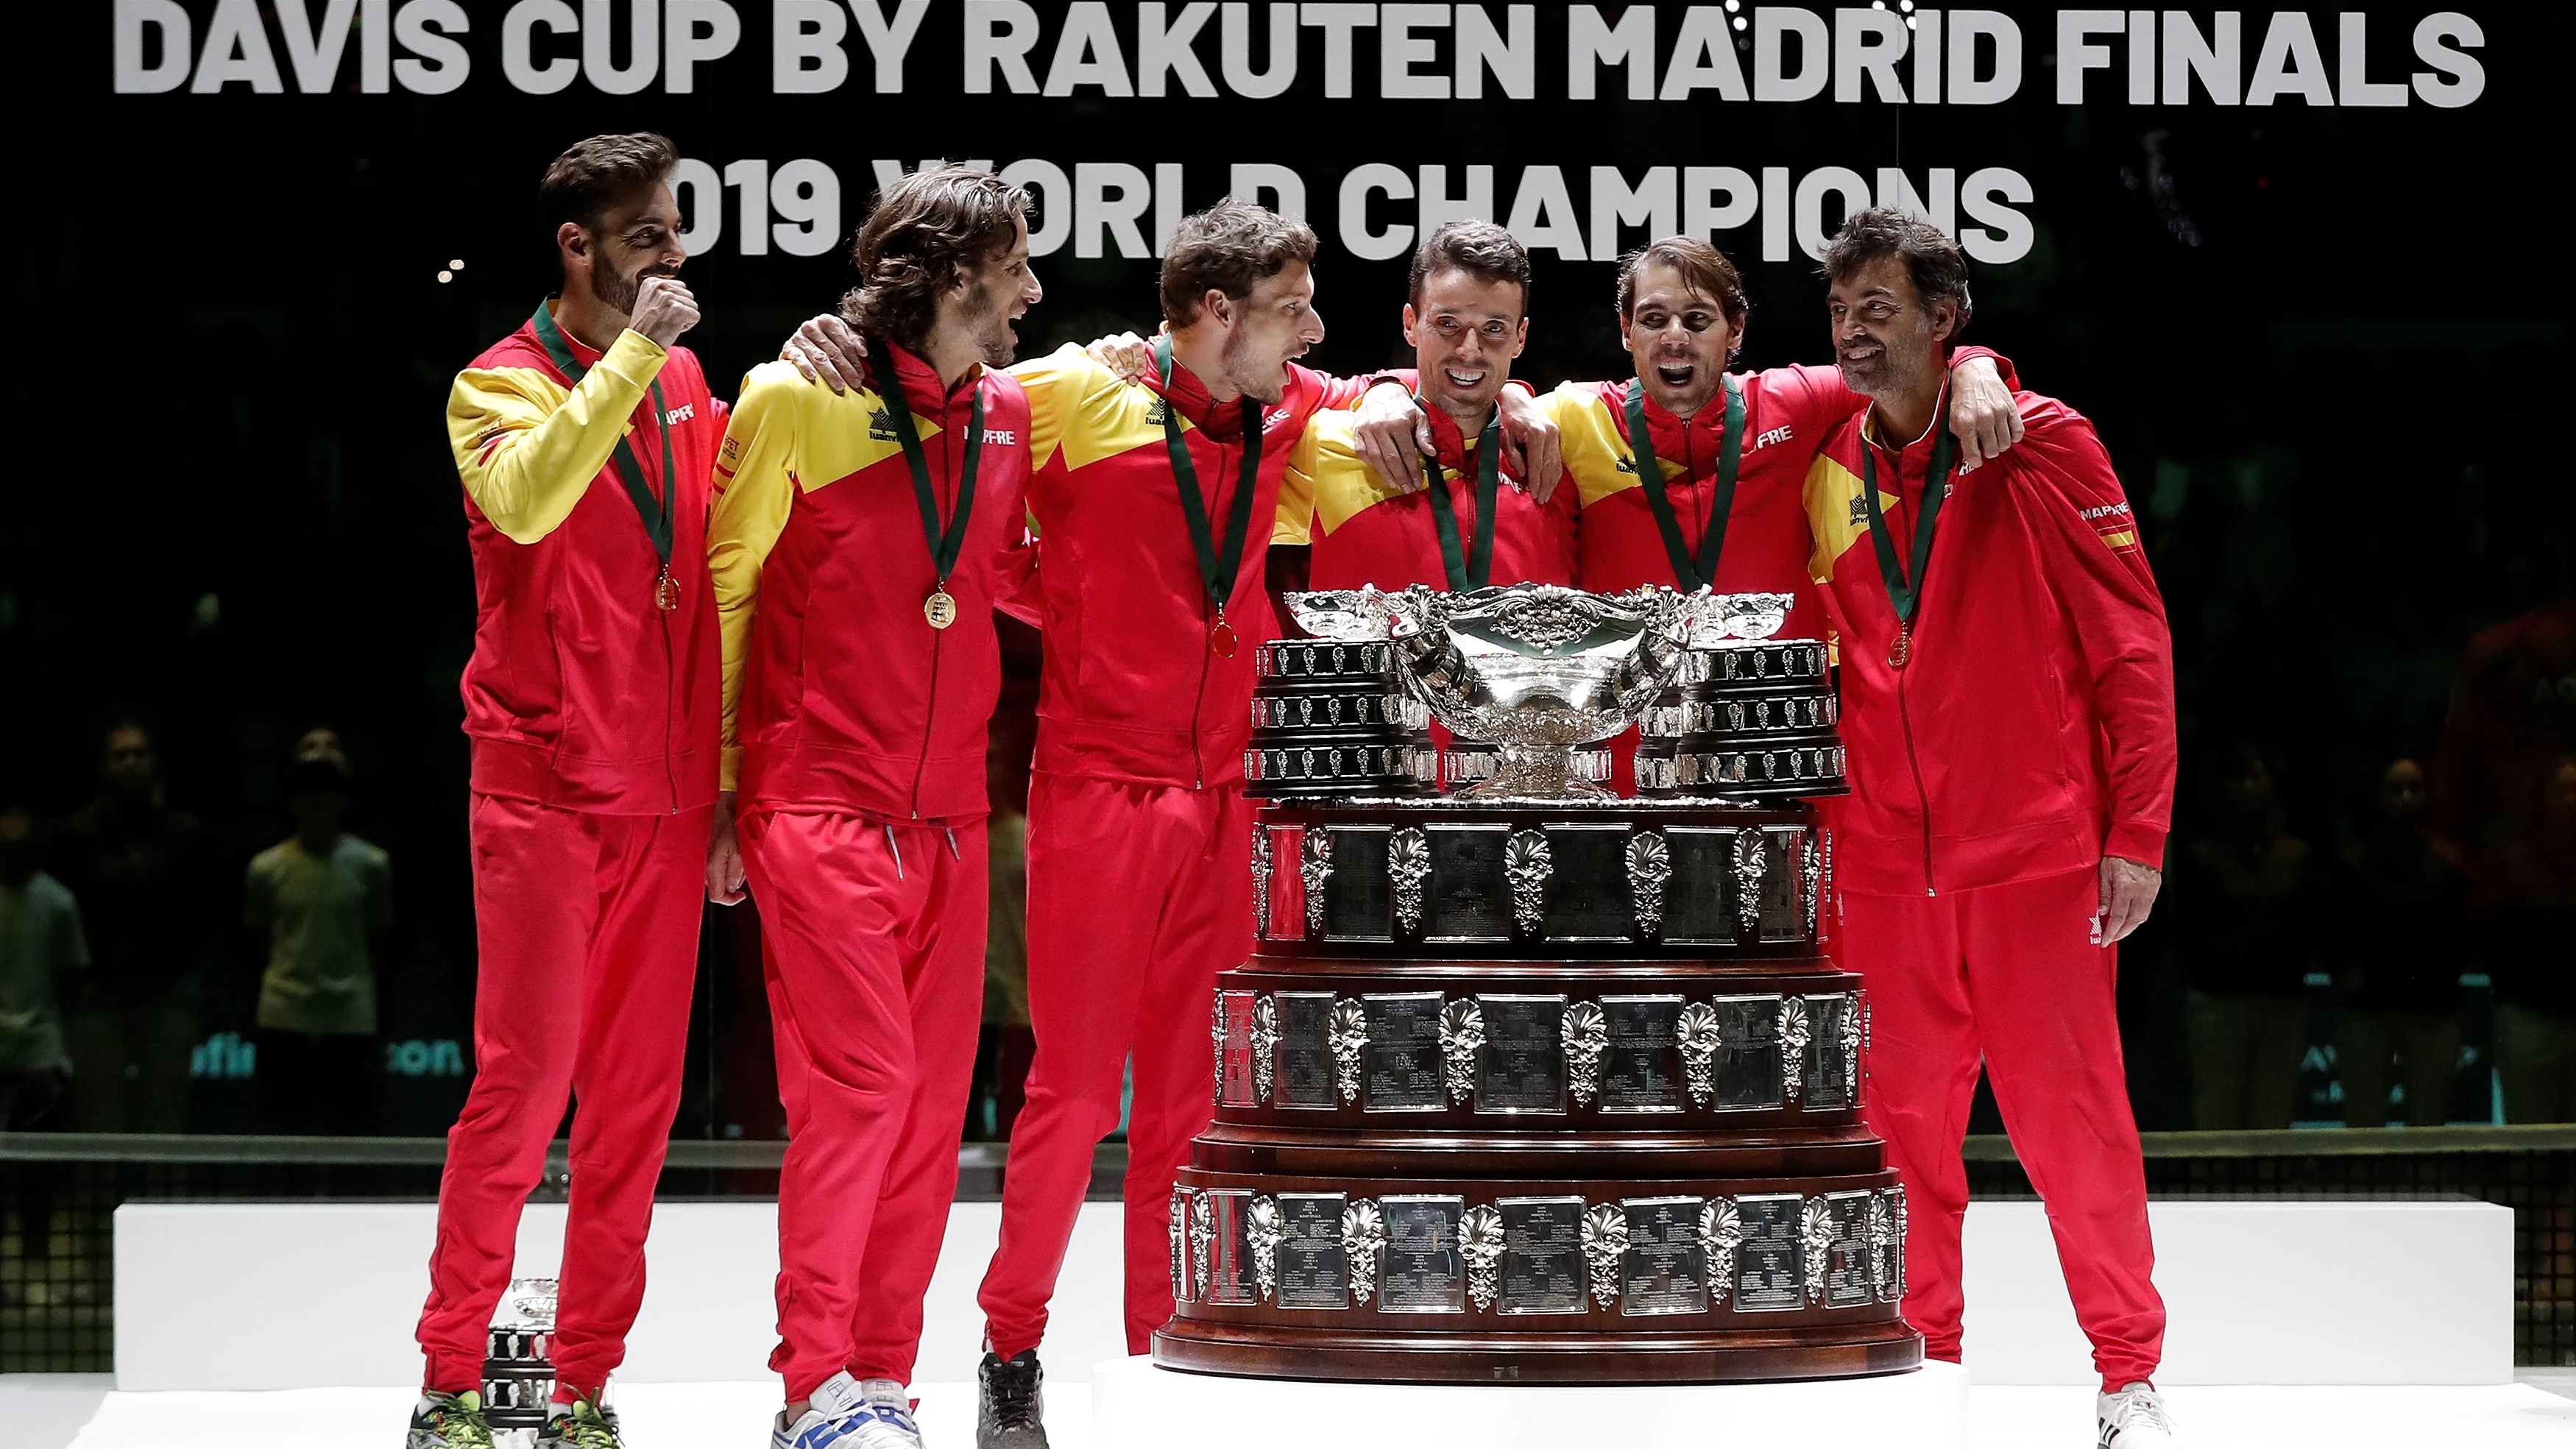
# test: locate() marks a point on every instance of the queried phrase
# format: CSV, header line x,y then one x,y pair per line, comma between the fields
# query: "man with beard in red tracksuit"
x,y
860,544
584,441
2008,707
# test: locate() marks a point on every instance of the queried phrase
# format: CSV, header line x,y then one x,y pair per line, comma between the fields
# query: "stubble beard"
x,y
1237,363
983,317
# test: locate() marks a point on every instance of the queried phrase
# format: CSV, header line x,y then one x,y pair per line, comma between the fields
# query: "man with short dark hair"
x,y
2007,698
1453,523
860,544
584,442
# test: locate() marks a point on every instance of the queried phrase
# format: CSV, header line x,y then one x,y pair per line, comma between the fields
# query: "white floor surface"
x,y
60,1412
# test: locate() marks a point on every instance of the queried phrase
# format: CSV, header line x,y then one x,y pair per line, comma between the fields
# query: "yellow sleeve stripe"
x,y
1082,409
527,447
1595,441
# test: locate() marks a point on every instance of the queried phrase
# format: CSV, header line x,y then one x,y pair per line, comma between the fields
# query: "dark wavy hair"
x,y
926,231
593,175
1704,267
1932,259
1480,249
1232,247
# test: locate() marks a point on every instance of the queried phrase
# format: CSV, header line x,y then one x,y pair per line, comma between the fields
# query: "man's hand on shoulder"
x,y
1392,436
1127,356
1984,415
2128,893
664,308
831,350
1530,436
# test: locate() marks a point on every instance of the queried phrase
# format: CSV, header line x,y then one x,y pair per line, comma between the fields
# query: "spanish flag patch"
x,y
2120,538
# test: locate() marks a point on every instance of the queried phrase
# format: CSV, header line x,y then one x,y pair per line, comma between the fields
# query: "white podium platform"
x,y
1133,1402
2264,1292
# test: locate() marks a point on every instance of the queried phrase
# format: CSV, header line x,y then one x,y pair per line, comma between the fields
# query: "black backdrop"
x,y
2313,336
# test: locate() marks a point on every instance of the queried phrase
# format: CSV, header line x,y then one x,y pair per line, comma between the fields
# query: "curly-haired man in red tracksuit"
x,y
860,544
584,441
2007,688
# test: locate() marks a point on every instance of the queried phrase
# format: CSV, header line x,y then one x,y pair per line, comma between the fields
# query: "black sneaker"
x,y
1010,1406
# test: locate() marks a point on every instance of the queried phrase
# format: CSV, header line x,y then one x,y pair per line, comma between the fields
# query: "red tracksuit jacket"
x,y
2032,729
583,693
1788,412
1131,690
1360,533
838,694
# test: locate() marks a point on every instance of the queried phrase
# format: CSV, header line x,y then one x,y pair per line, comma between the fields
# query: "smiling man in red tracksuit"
x,y
1467,317
860,544
584,441
2007,690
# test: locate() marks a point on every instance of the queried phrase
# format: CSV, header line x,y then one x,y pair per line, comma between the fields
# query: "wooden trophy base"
x,y
1736,1356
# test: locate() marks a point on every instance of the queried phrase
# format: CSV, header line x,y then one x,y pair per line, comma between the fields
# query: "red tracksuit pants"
x,y
1138,896
587,929
872,939
2008,975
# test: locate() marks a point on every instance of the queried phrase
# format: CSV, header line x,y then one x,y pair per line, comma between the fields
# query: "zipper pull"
x,y
952,846
898,852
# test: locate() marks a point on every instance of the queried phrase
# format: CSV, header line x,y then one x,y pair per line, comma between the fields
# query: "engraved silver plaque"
x,y
1462,1034
1235,1084
1826,1070
1423,1271
1305,1055
1695,905
1744,1068
1784,910
1605,1249
1543,1265
1521,1067
1314,1270
1641,1063
1357,905
1664,1269
1469,900
1230,1278
1770,1265
1588,896
1849,1280
1400,1067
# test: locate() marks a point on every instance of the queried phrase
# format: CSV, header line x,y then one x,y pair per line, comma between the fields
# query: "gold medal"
x,y
1901,648
666,591
939,609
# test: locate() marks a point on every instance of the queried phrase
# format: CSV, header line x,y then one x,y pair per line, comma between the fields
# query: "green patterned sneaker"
x,y
449,1421
584,1425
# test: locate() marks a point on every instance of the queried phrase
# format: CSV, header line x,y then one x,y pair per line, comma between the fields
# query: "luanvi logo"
x,y
881,426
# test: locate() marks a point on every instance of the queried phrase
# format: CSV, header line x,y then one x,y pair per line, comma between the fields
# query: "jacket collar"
x,y
1189,397
1692,441
919,381
1455,450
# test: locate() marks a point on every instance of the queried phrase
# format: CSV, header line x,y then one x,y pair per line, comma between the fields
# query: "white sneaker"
x,y
2133,1418
846,1414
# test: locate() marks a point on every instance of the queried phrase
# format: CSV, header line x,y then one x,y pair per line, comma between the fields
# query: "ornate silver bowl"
x,y
1538,670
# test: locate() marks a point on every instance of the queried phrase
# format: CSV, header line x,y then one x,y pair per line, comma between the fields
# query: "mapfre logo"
x,y
2107,510
679,415
1001,437
1776,435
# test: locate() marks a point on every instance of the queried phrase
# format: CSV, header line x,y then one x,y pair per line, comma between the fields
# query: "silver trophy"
x,y
1538,670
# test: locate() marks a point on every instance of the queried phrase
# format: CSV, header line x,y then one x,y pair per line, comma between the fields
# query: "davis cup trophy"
x,y
1529,1082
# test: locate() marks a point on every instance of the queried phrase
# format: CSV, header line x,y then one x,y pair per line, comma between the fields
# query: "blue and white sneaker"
x,y
847,1414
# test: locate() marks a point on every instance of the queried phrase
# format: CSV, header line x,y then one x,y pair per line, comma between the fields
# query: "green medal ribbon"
x,y
1475,569
943,546
1689,574
1217,568
657,517
1903,595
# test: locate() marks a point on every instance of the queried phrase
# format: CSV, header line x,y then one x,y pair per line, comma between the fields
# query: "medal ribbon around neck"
x,y
1468,570
1218,567
1905,587
657,517
1689,574
944,547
